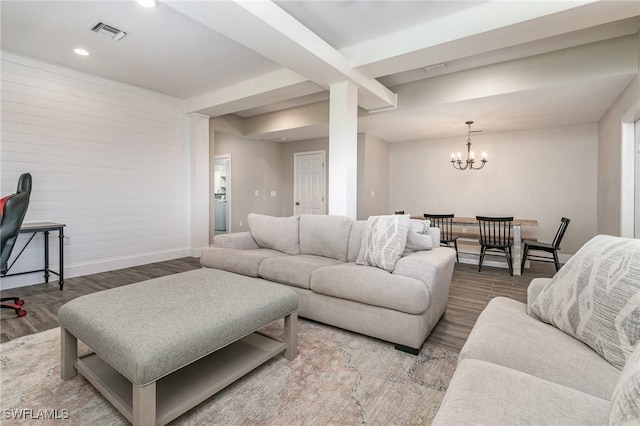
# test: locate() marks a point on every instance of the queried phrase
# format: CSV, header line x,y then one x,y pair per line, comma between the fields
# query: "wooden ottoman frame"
x,y
176,391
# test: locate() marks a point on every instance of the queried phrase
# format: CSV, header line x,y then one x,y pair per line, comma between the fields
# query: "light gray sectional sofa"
x,y
567,357
316,255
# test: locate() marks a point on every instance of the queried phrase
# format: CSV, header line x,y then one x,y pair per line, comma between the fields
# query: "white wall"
x,y
373,176
109,160
255,166
540,174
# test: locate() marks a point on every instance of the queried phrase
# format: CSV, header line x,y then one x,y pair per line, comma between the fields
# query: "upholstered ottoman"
x,y
163,346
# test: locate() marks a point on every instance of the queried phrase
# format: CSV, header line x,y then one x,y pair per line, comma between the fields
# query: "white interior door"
x,y
309,182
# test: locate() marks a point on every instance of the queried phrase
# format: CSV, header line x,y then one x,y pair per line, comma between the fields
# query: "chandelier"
x,y
456,159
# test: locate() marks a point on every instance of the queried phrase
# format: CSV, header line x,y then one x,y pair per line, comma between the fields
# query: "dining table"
x,y
466,228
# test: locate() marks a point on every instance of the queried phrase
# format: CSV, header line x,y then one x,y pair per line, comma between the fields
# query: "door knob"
x,y
297,203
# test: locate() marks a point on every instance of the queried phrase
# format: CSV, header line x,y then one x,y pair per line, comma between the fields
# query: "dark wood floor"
x,y
470,293
472,290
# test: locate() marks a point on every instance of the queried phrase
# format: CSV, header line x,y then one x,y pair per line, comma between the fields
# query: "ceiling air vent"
x,y
109,31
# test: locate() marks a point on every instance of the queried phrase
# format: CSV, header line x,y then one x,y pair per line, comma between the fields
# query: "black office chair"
x,y
399,212
14,208
495,234
445,223
546,247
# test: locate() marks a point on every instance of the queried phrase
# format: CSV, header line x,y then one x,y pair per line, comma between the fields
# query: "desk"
x,y
517,235
44,227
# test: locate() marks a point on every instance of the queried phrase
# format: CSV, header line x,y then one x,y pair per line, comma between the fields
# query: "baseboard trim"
x,y
496,261
95,267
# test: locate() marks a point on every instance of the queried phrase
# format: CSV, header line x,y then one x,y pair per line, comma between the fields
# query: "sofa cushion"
x,y
324,235
504,334
417,237
243,262
293,270
383,241
372,286
355,239
481,393
277,233
625,405
595,297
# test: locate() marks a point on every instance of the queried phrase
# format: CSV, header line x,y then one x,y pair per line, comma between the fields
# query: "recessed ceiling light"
x,y
148,3
80,51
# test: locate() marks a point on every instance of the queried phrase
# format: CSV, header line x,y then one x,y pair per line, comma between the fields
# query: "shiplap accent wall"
x,y
110,160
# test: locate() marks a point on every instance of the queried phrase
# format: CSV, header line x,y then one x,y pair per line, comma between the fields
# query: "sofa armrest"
x,y
435,269
535,287
236,240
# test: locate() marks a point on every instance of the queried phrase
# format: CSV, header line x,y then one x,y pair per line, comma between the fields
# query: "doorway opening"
x,y
222,194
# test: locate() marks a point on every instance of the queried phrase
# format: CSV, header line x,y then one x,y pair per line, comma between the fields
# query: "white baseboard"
x,y
88,268
497,261
196,252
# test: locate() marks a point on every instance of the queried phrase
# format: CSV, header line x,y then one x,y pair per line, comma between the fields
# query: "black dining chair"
x,y
495,235
546,247
445,223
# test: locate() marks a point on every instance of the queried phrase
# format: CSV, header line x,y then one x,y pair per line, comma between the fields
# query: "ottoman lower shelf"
x,y
183,389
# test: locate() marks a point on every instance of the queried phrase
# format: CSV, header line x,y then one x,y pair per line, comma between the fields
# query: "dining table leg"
x,y
517,249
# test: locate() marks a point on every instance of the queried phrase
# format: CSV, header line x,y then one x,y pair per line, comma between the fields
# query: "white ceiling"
x,y
254,58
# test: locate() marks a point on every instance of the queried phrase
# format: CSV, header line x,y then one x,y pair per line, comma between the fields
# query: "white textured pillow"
x,y
417,237
625,403
595,297
277,233
383,241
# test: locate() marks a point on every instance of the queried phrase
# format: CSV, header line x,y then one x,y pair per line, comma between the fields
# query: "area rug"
x,y
339,377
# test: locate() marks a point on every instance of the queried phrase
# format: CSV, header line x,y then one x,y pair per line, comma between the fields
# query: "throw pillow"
x,y
417,237
625,404
277,233
595,297
383,241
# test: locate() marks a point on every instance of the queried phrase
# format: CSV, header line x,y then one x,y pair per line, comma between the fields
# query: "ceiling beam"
x,y
263,90
615,60
268,30
487,27
604,59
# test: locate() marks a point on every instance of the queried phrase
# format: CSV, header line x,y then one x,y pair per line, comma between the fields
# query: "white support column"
x,y
343,149
199,126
